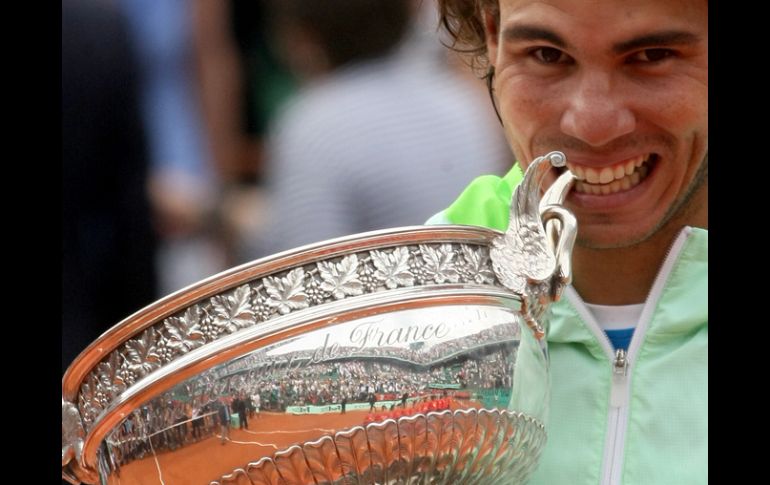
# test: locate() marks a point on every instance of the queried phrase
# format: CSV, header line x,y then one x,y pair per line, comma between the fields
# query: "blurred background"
x,y
201,134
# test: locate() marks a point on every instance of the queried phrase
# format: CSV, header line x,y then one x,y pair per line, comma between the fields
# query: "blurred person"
x,y
108,241
223,416
184,181
380,113
256,401
242,82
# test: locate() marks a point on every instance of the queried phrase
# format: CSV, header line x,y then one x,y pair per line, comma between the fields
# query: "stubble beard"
x,y
676,213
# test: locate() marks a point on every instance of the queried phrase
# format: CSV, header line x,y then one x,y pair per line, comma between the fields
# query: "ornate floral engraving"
x,y
108,377
232,311
287,293
141,357
88,401
184,333
393,267
341,279
477,267
439,264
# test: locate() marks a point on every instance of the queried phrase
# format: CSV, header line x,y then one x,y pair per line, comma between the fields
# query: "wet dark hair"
x,y
349,31
464,21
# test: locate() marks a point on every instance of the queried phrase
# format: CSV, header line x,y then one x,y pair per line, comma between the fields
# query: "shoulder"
x,y
484,202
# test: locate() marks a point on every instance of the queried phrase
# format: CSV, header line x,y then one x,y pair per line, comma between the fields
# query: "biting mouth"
x,y
620,177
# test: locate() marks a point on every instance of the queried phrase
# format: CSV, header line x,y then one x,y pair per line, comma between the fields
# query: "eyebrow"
x,y
526,32
657,39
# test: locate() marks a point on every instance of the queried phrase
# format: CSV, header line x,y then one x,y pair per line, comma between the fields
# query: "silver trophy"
x,y
414,355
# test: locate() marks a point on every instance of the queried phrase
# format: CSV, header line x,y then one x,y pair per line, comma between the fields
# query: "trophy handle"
x,y
560,227
532,258
73,434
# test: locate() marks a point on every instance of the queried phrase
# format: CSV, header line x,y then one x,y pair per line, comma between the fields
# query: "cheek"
x,y
678,103
529,111
521,94
681,115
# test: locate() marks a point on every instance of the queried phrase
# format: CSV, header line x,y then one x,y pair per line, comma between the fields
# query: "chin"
x,y
601,237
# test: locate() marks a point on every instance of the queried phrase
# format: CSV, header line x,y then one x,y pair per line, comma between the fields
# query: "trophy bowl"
x,y
413,355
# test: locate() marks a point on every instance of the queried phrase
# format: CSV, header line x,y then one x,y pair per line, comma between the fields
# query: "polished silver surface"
x,y
527,261
411,355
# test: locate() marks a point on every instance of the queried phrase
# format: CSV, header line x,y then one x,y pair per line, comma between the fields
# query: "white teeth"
x,y
619,172
592,176
625,184
610,180
579,173
607,175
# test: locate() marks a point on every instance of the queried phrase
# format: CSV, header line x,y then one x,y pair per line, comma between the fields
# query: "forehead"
x,y
608,18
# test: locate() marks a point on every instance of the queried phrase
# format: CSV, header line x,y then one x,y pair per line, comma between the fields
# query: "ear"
x,y
491,31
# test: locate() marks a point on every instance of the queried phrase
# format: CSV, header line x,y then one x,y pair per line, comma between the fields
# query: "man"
x,y
256,400
621,88
381,110
223,413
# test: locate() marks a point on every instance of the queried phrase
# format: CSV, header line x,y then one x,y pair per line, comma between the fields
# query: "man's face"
x,y
621,87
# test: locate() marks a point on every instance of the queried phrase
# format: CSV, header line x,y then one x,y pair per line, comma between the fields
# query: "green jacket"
x,y
649,426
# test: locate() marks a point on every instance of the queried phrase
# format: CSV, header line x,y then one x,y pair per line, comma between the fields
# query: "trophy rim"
x,y
164,307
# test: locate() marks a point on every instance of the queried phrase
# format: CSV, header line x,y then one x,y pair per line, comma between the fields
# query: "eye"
x,y
550,55
651,55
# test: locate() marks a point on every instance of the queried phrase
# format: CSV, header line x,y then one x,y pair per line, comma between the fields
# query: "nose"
x,y
597,111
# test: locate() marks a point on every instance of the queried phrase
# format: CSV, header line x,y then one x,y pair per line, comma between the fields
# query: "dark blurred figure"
x,y
384,131
108,242
320,37
242,84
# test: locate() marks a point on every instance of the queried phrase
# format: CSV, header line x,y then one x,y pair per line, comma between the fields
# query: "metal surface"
x,y
412,355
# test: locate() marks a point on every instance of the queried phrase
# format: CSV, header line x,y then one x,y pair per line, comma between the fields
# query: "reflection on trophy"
x,y
412,356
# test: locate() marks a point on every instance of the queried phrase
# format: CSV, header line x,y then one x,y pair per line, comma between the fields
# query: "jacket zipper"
x,y
620,390
618,418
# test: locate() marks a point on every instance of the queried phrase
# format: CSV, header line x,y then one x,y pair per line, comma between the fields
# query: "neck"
x,y
624,276
632,276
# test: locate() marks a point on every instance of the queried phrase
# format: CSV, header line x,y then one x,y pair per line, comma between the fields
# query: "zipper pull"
x,y
619,391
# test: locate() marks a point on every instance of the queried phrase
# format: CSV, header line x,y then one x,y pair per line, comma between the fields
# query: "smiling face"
x,y
621,87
